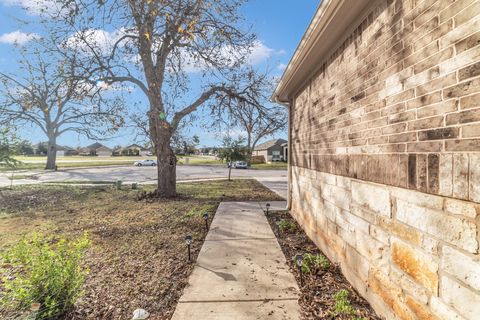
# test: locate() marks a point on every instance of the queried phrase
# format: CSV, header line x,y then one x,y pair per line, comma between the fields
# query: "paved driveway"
x,y
128,174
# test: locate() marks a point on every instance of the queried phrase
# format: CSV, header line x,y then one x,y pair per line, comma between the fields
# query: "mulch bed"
x,y
316,297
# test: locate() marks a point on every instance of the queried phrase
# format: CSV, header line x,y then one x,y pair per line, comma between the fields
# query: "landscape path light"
x,y
188,241
268,207
205,217
299,262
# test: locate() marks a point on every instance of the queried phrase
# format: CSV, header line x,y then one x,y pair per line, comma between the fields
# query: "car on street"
x,y
240,165
145,163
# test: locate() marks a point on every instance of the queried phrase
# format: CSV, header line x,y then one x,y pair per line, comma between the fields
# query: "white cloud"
x,y
17,37
255,55
104,40
37,7
259,53
96,38
281,66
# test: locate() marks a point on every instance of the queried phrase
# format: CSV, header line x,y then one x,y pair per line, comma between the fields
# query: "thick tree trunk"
x,y
51,153
166,168
161,133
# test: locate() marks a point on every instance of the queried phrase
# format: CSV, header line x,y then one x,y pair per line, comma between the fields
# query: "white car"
x,y
145,163
240,165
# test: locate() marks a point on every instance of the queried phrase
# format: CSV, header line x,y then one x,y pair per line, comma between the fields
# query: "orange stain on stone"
x,y
415,266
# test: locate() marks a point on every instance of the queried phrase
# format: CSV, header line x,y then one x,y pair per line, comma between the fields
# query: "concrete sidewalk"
x,y
241,272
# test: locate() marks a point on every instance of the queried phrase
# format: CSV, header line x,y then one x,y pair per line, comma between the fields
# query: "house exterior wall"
x,y
272,150
103,152
385,158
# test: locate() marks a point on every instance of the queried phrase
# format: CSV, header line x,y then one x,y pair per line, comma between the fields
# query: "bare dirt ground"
x,y
138,257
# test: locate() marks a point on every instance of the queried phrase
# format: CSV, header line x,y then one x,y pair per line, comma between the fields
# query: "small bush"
x,y
343,307
286,226
313,263
45,272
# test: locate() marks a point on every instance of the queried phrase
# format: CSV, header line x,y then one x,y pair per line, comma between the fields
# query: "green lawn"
x,y
270,166
37,162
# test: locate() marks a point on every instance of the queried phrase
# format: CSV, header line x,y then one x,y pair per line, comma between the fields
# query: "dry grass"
x,y
138,256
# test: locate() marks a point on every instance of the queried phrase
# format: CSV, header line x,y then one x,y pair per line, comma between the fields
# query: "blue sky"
x,y
279,25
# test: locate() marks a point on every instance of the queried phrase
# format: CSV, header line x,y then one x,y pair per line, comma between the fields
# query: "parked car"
x,y
145,163
240,165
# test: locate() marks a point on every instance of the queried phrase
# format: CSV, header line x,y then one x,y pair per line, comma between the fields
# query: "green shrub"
x,y
343,306
286,226
313,263
43,271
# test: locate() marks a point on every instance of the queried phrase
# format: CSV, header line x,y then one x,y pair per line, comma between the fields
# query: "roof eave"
x,y
326,30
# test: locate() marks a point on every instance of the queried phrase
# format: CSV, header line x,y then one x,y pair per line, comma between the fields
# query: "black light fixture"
x,y
205,217
268,207
188,241
299,262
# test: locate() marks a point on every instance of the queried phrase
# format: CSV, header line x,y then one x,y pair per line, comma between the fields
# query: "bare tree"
x,y
256,116
46,94
259,123
181,54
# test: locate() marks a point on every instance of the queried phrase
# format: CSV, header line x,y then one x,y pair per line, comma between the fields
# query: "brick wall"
x,y
386,158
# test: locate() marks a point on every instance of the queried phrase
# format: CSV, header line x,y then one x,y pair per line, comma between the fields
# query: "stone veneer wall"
x,y
385,159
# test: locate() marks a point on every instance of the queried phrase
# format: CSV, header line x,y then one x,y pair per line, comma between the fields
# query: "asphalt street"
x,y
275,179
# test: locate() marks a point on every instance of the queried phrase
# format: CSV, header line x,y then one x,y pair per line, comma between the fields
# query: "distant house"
x,y
64,151
272,150
96,149
137,150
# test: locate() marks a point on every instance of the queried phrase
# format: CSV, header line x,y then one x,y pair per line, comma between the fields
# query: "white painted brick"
x,y
474,179
460,176
419,79
374,197
464,208
460,32
463,267
461,60
457,231
445,175
465,301
442,311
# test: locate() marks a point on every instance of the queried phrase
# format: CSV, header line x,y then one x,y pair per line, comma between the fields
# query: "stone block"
x,y
454,230
465,268
390,293
465,301
442,311
400,230
374,197
463,208
418,198
421,267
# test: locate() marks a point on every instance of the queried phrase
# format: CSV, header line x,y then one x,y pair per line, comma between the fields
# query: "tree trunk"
x,y
166,165
51,153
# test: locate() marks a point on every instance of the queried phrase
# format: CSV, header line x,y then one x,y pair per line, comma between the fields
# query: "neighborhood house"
x,y
271,151
96,149
384,143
